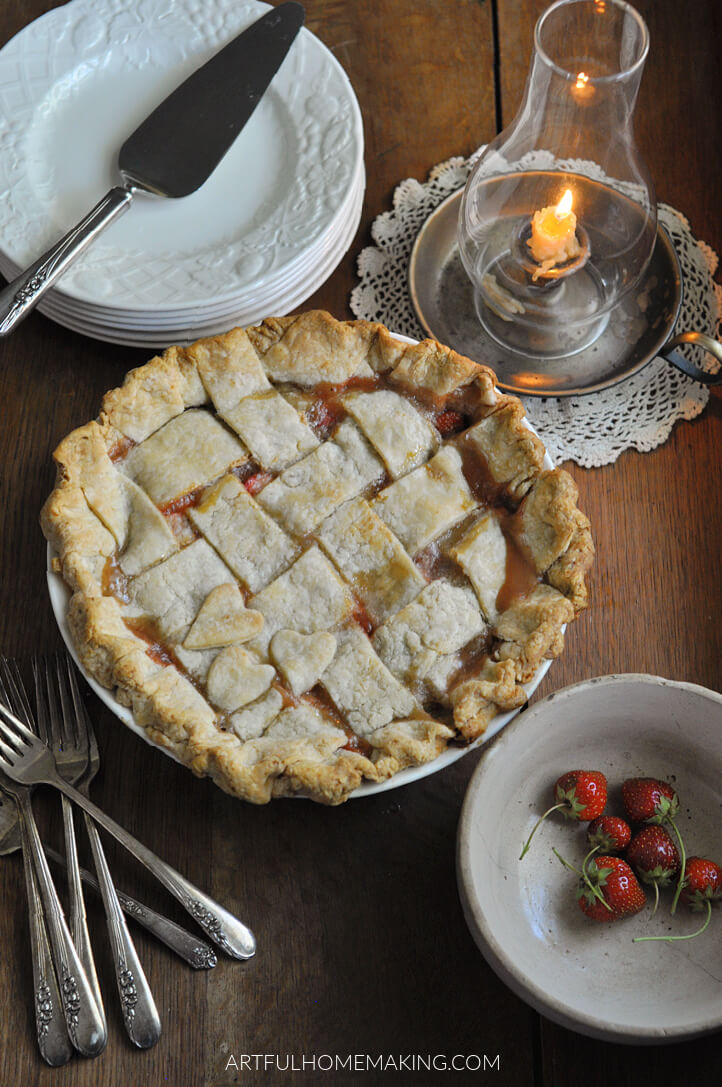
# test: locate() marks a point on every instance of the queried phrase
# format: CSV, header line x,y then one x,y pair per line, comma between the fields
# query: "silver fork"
x,y
196,952
82,1020
71,759
57,690
53,1039
28,761
192,949
187,945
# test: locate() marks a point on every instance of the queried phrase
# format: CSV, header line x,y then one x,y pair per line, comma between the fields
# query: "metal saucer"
x,y
638,330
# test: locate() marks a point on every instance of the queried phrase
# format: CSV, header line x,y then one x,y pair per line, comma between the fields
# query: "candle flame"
x,y
582,80
565,205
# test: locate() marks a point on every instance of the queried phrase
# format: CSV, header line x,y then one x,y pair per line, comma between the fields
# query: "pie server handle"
x,y
24,293
702,340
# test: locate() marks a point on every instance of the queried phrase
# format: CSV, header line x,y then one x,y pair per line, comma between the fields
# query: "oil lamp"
x,y
558,217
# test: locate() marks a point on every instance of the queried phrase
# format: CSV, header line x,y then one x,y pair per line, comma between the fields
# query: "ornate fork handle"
x,y
53,1039
196,952
85,1025
78,920
230,934
140,1014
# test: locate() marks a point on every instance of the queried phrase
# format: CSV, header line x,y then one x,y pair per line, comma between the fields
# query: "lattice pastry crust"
x,y
306,554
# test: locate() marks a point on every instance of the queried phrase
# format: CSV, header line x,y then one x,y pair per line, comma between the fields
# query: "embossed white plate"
x,y
330,247
78,80
263,294
145,331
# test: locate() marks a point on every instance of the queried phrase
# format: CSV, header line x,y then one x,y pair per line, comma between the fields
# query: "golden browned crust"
x,y
514,455
532,629
150,396
477,701
568,573
80,540
408,743
103,642
95,514
547,517
437,371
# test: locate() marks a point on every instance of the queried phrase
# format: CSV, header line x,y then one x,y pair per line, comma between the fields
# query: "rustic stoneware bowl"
x,y
589,976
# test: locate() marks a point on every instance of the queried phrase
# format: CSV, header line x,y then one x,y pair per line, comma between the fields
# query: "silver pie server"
x,y
176,148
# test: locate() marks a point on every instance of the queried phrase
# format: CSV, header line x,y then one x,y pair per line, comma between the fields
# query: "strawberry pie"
x,y
307,555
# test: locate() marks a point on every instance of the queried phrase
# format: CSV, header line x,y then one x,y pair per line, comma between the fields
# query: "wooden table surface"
x,y
362,943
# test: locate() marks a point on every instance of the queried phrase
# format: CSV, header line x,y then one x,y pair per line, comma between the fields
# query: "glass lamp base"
x,y
539,326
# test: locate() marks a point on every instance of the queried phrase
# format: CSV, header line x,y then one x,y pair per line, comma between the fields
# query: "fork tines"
x,y
13,734
53,699
12,689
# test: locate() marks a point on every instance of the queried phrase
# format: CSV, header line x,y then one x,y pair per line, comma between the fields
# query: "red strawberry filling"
x,y
449,422
257,481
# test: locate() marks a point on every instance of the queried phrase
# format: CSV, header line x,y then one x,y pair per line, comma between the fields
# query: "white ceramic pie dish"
x,y
523,915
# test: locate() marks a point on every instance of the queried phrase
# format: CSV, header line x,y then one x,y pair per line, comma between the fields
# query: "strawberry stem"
x,y
682,866
656,897
540,820
595,890
689,936
565,863
585,876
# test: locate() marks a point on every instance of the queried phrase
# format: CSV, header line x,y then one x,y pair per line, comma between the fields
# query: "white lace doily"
x,y
591,430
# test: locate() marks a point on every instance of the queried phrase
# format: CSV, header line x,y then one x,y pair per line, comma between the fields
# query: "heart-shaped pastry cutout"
x,y
223,619
302,658
236,678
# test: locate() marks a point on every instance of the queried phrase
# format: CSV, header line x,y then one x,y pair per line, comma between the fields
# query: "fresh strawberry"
x,y
654,857
622,895
701,886
592,889
702,883
449,422
579,795
605,834
648,800
609,834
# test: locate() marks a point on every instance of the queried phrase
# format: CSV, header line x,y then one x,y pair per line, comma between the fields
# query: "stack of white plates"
x,y
257,239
